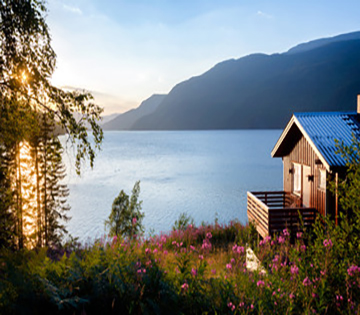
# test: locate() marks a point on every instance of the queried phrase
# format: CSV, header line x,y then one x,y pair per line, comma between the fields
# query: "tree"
x,y
126,217
348,187
27,62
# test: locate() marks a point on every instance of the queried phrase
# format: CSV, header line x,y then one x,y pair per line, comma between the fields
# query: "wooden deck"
x,y
273,211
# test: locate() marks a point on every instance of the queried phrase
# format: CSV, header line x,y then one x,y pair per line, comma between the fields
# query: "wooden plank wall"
x,y
303,153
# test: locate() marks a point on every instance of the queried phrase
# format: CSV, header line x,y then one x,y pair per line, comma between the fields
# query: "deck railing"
x,y
274,211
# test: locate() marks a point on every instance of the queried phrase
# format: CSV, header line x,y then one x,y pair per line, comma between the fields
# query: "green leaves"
x,y
126,217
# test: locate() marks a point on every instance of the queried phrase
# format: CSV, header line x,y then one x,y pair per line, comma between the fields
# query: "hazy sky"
x,y
126,50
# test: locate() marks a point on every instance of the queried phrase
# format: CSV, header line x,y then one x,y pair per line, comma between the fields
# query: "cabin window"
x,y
296,179
322,179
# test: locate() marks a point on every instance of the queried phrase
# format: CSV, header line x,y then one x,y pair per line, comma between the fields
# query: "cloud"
x,y
72,9
264,15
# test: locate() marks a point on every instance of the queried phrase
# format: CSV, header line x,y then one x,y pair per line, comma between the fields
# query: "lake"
x,y
203,173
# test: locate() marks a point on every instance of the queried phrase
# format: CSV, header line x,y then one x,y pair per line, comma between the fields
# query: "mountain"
x,y
126,120
262,91
323,41
107,118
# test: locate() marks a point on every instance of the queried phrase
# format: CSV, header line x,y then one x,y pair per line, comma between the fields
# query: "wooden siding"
x,y
272,212
303,154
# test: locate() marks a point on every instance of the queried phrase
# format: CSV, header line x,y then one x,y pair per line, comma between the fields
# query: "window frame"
x,y
321,183
296,178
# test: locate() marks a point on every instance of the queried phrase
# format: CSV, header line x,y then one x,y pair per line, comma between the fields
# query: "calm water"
x,y
198,172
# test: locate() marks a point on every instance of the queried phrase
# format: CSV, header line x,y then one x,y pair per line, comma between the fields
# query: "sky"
x,y
123,51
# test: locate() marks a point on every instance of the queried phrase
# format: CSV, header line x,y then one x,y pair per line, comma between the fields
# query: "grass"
x,y
194,270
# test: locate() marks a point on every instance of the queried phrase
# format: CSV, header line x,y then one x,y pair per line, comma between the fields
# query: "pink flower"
x,y
232,260
286,232
201,257
291,296
213,271
299,234
303,248
134,220
147,251
306,282
328,243
192,247
208,235
114,239
194,272
241,304
352,270
155,251
281,239
260,283
185,286
165,252
294,269
229,266
231,306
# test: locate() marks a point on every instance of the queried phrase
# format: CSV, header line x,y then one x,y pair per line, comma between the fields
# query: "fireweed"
x,y
193,271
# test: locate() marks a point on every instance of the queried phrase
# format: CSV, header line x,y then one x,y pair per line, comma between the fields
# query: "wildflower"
x,y
144,270
213,271
303,248
260,283
353,270
294,269
134,220
201,257
241,304
306,282
232,260
192,247
286,232
147,250
291,296
208,235
194,272
165,252
229,266
114,239
231,306
328,243
155,251
299,234
251,306
281,240
185,287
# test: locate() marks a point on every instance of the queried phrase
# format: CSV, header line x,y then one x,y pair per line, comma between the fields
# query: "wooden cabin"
x,y
307,148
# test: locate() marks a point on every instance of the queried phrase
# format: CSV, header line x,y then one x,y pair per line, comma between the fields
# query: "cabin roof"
x,y
320,129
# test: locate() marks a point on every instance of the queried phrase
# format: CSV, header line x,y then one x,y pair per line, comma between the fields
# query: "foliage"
x,y
348,187
32,200
126,217
27,63
184,272
183,221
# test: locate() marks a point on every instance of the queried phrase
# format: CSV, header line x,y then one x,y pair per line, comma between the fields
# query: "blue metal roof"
x,y
324,127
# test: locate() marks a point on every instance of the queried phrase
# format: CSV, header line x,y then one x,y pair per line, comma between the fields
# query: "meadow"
x,y
191,270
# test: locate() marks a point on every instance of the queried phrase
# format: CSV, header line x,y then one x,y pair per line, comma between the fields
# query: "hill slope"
x,y
126,120
262,91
